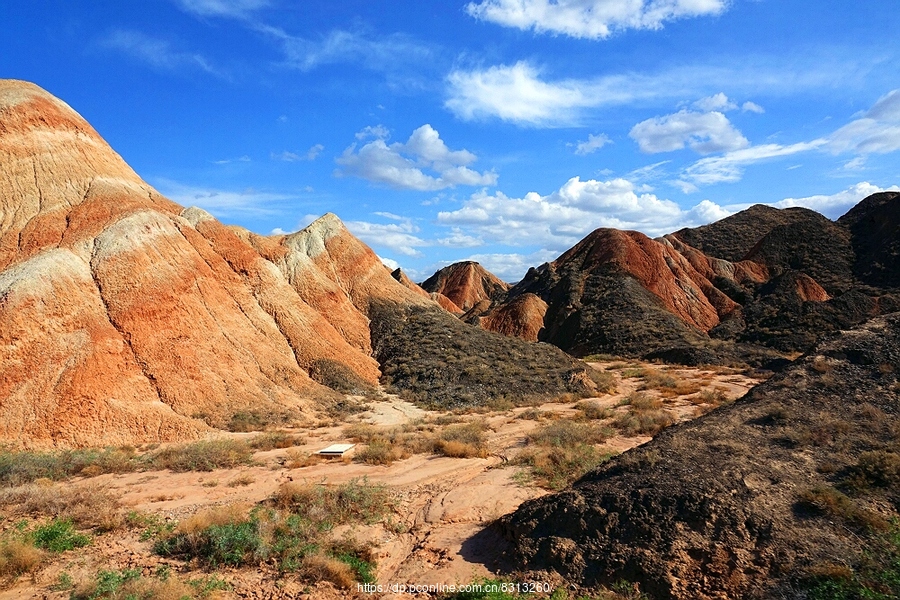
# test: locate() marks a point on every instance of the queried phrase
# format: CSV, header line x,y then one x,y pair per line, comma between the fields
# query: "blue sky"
x,y
496,130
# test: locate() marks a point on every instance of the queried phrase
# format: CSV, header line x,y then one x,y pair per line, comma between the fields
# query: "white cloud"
x,y
729,167
558,220
222,8
752,107
516,93
227,161
458,239
224,203
877,132
594,19
521,94
403,166
378,132
592,144
288,156
835,205
399,236
703,132
719,102
511,267
156,52
386,53
391,264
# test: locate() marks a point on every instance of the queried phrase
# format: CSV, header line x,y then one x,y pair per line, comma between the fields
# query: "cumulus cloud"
x,y
558,220
592,144
404,165
876,132
752,107
719,102
399,236
835,205
593,19
517,94
159,54
391,264
704,132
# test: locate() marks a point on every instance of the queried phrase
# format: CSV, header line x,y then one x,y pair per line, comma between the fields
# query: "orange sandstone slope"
x,y
127,318
466,284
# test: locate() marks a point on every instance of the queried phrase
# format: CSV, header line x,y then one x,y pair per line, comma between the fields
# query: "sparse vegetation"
x,y
290,531
205,455
18,468
86,506
18,555
254,420
275,440
430,357
645,422
826,500
876,576
592,410
59,535
129,584
339,377
562,451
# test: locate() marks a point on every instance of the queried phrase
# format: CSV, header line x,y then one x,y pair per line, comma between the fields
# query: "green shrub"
x,y
59,536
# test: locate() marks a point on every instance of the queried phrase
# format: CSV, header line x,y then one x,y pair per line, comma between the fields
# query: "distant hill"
x,y
744,289
466,284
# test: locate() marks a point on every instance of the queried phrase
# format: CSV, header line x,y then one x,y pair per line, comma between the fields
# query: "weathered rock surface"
x,y
744,502
521,317
127,319
466,284
745,288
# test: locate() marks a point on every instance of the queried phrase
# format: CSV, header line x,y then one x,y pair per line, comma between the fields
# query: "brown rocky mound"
x,y
445,302
466,284
129,319
618,291
521,317
787,493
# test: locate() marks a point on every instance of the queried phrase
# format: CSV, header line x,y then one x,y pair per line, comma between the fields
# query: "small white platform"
x,y
335,450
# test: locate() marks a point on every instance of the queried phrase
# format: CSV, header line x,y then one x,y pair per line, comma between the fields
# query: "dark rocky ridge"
x,y
874,226
759,282
735,504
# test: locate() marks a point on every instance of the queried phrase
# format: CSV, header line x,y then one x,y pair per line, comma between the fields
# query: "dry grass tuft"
x,y
594,411
325,568
18,557
205,455
567,433
641,401
275,440
643,422
227,514
88,506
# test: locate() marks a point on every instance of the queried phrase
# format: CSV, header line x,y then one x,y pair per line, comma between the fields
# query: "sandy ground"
x,y
443,504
